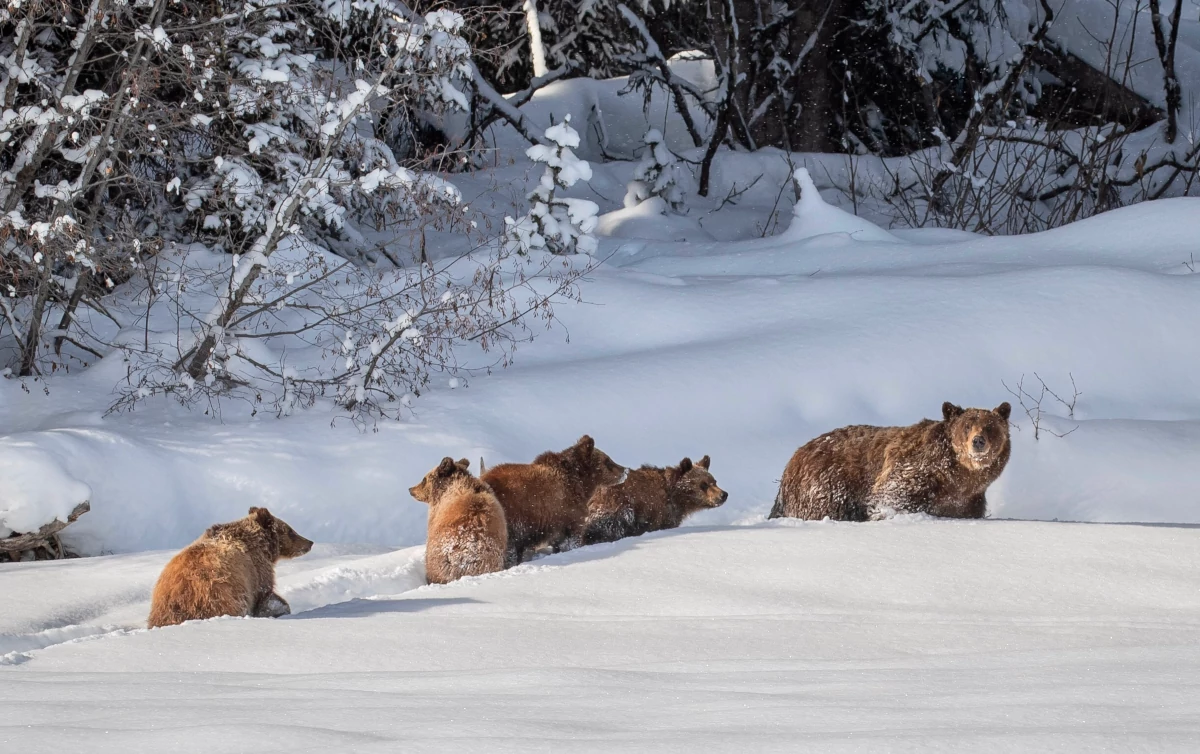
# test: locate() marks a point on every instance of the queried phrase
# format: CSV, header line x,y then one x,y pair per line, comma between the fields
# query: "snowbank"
x,y
742,351
35,488
812,217
1077,25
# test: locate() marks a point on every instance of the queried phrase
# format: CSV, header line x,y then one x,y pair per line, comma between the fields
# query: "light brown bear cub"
x,y
860,473
467,534
545,502
229,570
651,499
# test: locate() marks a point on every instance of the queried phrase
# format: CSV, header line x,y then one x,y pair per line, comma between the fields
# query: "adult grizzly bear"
x,y
229,570
937,467
651,499
545,502
467,534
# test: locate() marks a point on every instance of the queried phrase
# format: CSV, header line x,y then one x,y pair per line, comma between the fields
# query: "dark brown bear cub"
x,y
545,502
937,467
229,570
467,535
651,499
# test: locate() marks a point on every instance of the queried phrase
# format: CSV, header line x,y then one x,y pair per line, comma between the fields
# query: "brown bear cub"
x,y
861,473
467,533
651,499
545,502
229,570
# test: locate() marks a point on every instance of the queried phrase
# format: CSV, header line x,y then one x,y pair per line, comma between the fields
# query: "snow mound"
x,y
34,488
813,217
650,220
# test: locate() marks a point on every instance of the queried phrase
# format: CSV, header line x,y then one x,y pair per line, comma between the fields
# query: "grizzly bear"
x,y
229,570
467,534
860,473
651,499
545,502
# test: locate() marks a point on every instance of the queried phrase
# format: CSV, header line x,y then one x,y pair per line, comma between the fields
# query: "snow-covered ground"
x,y
738,331
910,635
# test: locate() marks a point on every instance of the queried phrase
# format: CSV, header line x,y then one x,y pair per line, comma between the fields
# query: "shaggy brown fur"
x,y
229,570
545,502
467,533
937,467
651,499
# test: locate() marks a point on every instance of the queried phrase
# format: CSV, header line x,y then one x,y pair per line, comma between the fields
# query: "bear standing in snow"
x,y
651,499
467,534
229,570
937,467
545,502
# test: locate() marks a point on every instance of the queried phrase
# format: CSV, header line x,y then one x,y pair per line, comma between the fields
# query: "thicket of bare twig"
x,y
248,169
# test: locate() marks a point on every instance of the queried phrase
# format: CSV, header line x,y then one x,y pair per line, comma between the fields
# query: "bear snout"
x,y
715,497
979,443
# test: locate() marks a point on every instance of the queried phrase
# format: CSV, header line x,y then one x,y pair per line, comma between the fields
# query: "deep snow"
x,y
742,351
909,635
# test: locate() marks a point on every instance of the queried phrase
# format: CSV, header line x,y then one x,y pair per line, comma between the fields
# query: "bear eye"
x,y
703,486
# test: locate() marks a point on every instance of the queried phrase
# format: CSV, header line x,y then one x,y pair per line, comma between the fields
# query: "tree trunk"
x,y
791,99
816,88
536,48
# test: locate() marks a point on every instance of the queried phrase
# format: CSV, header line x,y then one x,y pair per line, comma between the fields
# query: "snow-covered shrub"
x,y
555,223
313,325
237,175
657,174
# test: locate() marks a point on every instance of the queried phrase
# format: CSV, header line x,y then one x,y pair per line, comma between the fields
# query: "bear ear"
x,y
464,464
949,411
1004,410
704,463
446,466
586,444
262,516
685,465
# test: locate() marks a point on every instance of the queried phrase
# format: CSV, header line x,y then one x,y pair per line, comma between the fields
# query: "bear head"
x,y
287,542
694,487
979,436
590,465
437,481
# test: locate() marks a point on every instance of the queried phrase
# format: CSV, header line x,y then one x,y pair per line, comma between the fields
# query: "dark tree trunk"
x,y
817,88
791,91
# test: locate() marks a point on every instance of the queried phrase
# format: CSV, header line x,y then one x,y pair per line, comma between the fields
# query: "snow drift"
x,y
742,351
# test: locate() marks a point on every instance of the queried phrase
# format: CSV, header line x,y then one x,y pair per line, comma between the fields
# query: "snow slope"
x,y
910,635
743,351
1085,28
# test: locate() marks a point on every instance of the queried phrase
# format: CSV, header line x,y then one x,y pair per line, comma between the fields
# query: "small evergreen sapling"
x,y
554,223
658,174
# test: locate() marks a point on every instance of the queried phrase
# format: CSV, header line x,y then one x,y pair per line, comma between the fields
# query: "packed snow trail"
x,y
909,635
58,602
